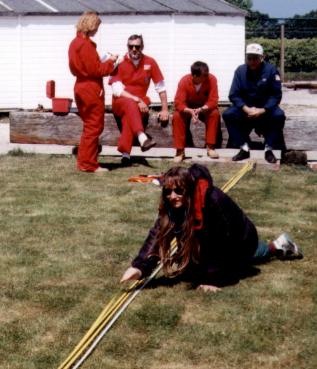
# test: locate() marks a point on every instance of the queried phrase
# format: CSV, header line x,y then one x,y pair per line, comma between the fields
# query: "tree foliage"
x,y
300,33
261,25
302,26
300,54
243,4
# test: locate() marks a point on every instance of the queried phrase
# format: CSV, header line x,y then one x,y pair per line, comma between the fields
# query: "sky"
x,y
284,8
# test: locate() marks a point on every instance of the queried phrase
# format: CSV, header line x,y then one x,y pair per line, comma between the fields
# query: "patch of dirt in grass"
x,y
18,311
180,366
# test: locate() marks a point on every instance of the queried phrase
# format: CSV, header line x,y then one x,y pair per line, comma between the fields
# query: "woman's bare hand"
x,y
208,288
131,274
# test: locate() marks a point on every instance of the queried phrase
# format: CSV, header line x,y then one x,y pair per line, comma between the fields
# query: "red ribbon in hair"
x,y
199,201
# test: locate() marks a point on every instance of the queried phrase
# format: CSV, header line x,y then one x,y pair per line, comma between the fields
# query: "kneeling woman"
x,y
216,241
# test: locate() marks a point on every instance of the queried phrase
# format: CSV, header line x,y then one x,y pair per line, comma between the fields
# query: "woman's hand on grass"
x,y
208,288
131,274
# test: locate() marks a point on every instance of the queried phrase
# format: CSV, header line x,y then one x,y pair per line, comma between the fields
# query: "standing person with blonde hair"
x,y
86,66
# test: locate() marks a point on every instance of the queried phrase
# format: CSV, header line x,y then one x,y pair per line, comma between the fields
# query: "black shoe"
x,y
164,123
270,157
242,154
148,144
126,162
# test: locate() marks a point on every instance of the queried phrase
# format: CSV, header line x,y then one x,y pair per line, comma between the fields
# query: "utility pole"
x,y
282,61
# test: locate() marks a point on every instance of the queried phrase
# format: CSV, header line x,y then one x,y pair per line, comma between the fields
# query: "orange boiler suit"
x,y
136,80
187,97
85,65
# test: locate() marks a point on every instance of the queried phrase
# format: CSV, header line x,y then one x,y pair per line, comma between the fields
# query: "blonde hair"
x,y
88,22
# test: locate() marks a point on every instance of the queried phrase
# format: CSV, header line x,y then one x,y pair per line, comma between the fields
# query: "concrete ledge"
x,y
192,154
46,128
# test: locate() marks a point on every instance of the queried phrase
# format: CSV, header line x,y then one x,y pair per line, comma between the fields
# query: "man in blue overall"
x,y
255,93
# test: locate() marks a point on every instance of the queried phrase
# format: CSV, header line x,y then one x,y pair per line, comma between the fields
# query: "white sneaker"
x,y
101,170
287,248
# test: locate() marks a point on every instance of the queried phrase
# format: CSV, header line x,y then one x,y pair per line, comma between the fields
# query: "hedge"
x,y
300,54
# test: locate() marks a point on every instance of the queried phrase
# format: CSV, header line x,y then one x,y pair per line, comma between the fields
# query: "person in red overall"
x,y
196,99
85,65
130,103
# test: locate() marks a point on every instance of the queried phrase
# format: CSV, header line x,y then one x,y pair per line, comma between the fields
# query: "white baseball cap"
x,y
255,49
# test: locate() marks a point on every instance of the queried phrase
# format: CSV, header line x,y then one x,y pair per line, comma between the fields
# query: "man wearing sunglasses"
x,y
130,103
255,93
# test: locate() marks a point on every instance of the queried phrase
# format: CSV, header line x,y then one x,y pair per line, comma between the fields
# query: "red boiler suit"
x,y
85,64
136,81
187,97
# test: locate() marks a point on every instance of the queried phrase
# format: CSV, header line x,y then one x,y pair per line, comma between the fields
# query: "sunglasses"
x,y
177,190
136,47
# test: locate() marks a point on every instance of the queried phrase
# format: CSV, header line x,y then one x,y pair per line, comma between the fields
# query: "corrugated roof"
x,y
220,7
108,6
61,7
184,6
145,6
24,6
68,6
3,9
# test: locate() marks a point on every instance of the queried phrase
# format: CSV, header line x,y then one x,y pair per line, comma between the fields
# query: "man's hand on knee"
x,y
143,107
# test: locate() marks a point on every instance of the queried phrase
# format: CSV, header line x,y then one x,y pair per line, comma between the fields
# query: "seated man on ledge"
x,y
196,99
255,94
130,103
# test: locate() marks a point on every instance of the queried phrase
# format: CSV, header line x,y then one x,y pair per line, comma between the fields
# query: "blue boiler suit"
x,y
262,89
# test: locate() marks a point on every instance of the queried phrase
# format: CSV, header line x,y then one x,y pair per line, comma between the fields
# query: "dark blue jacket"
x,y
261,88
228,238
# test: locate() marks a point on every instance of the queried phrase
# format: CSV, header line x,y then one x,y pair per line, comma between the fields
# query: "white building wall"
x,y
218,41
156,31
36,50
10,62
44,48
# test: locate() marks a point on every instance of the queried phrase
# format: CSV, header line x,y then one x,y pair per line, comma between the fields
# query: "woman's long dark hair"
x,y
188,247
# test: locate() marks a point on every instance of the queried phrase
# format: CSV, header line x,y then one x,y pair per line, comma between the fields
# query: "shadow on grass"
x,y
20,152
135,160
219,279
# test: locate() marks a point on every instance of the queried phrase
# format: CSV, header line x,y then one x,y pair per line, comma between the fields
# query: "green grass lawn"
x,y
66,238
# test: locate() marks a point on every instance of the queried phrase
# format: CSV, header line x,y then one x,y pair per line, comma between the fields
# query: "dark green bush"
x,y
300,54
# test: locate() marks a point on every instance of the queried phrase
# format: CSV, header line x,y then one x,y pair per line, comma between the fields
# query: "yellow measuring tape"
x,y
117,305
